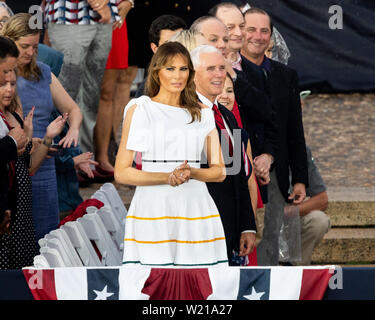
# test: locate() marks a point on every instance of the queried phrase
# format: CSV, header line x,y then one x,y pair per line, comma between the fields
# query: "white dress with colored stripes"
x,y
165,225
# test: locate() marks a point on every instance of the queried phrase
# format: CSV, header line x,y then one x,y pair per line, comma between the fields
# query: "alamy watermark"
x,y
336,21
188,145
337,280
36,20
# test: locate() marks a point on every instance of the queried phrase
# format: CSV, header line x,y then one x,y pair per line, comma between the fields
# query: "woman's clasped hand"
x,y
180,175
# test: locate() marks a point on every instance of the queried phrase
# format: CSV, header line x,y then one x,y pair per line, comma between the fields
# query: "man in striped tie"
x,y
232,195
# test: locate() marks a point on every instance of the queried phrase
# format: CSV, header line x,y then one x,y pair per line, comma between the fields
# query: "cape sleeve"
x,y
138,136
209,121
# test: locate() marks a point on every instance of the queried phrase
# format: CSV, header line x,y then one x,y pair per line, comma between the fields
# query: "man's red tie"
x,y
220,122
12,168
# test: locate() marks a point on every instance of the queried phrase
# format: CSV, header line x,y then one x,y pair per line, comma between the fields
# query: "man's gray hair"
x,y
196,53
197,24
4,5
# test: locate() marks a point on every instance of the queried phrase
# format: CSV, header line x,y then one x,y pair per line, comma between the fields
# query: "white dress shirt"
x,y
4,130
209,104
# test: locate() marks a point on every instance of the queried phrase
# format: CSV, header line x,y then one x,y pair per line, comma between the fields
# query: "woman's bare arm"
x,y
124,172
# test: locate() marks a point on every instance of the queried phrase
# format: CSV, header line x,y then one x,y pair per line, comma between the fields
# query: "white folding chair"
x,y
67,245
113,226
94,224
53,243
42,242
82,244
95,230
40,262
101,196
52,256
115,200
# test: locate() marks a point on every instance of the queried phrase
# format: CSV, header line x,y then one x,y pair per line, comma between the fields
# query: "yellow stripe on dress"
x,y
174,240
170,217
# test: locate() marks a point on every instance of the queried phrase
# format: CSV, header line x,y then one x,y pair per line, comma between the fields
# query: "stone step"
x,y
351,214
351,206
351,194
340,245
346,245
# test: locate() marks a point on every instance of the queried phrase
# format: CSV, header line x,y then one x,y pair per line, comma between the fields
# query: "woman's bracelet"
x,y
46,143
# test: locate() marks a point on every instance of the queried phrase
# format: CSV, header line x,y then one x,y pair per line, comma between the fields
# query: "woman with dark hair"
x,y
18,248
172,219
38,87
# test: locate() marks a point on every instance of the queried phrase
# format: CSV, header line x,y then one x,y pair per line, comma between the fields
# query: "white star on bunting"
x,y
102,295
254,295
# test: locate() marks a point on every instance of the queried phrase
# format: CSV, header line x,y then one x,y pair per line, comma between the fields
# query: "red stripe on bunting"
x,y
41,283
178,284
314,284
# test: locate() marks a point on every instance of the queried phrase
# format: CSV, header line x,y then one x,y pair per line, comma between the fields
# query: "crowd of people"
x,y
212,134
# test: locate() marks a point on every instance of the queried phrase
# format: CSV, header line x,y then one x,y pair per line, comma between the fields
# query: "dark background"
x,y
22,5
326,60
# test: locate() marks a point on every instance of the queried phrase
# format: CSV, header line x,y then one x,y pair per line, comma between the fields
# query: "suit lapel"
x,y
224,113
244,64
228,121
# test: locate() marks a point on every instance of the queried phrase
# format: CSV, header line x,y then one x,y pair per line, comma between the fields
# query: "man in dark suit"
x,y
11,141
249,87
161,30
283,90
139,20
232,195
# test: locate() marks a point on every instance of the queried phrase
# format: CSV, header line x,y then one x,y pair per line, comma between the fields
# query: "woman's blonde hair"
x,y
188,38
14,106
165,53
17,27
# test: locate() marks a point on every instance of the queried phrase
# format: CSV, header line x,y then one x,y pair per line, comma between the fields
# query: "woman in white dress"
x,y
172,219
